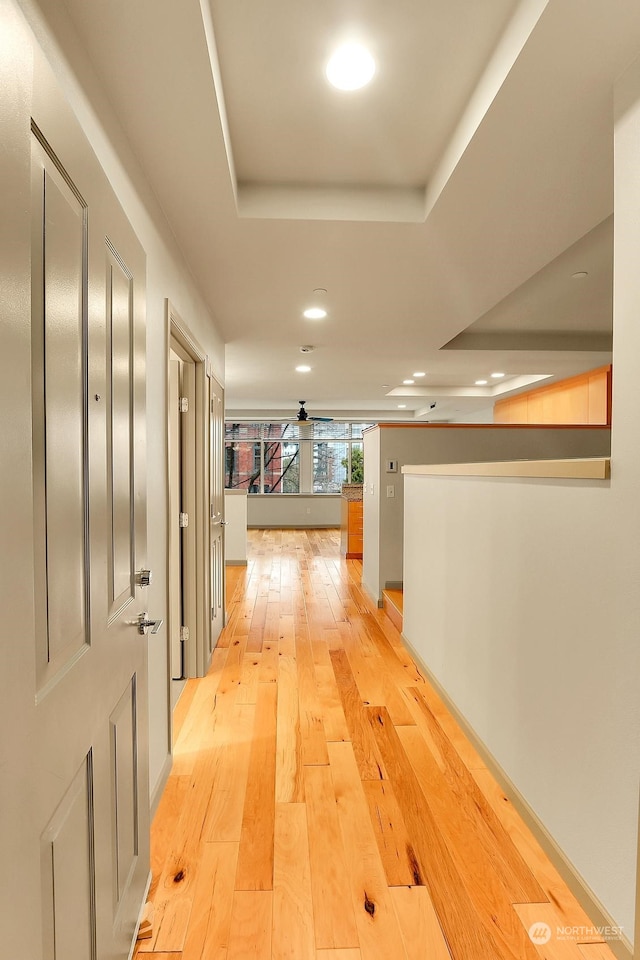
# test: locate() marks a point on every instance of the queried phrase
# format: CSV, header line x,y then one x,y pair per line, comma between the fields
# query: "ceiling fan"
x,y
303,416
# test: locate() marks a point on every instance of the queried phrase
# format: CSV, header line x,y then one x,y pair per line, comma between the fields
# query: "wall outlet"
x,y
308,509
391,490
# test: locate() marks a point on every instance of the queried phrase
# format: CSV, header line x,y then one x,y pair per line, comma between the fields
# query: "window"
x,y
242,466
333,430
330,466
243,431
281,467
290,457
357,463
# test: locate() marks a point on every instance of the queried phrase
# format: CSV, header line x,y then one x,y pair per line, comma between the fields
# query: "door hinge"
x,y
183,519
213,613
184,634
183,404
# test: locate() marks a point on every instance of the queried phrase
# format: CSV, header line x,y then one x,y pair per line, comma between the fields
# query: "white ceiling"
x,y
451,195
288,125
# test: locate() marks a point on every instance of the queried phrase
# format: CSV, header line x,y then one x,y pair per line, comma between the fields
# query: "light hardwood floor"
x,y
323,803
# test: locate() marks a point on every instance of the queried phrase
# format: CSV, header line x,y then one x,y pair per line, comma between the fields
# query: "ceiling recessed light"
x,y
315,313
320,291
350,67
420,374
496,376
303,369
385,386
481,383
402,406
408,383
580,275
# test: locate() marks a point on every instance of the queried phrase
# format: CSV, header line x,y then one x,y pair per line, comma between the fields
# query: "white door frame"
x,y
196,497
636,950
177,425
217,590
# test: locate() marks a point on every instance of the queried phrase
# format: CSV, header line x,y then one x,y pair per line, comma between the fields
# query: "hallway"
x,y
324,804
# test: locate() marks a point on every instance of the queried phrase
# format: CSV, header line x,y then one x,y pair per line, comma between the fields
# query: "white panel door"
x,y
74,778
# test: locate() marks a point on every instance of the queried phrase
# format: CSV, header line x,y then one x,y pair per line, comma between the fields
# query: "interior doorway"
x,y
195,403
181,456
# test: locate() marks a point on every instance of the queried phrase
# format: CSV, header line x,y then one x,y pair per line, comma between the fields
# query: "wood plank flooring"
x,y
325,805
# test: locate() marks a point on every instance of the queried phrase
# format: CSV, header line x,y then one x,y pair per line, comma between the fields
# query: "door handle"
x,y
144,624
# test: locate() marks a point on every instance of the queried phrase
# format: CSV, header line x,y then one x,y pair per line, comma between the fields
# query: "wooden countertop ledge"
x,y
592,468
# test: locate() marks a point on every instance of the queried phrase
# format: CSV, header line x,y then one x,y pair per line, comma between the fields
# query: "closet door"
x,y
77,784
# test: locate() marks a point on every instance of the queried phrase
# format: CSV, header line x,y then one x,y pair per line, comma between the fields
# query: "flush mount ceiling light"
x,y
408,383
496,376
303,369
422,374
315,313
481,383
350,67
580,275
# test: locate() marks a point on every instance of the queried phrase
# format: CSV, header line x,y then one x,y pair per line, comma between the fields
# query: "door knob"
x,y
144,624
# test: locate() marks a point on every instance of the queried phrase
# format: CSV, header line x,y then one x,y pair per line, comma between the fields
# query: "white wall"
x,y
371,514
515,598
455,444
235,531
293,510
167,277
523,598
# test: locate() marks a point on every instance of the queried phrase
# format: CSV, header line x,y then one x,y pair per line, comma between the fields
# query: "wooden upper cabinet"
x,y
585,399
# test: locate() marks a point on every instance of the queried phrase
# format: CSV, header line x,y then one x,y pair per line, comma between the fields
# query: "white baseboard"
x,y
370,596
293,526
